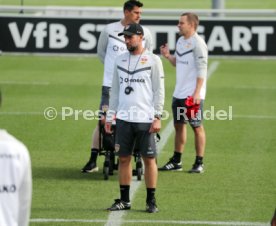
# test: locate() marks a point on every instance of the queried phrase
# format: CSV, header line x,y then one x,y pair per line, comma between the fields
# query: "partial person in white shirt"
x,y
190,60
15,181
110,45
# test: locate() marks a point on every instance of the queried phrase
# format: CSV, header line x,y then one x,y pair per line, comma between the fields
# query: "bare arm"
x,y
196,94
165,52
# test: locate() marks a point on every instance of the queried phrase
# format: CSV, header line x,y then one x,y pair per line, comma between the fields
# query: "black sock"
x,y
199,160
150,194
177,157
124,190
94,154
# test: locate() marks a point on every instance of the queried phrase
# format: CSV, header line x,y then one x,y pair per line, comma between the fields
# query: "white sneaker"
x,y
171,166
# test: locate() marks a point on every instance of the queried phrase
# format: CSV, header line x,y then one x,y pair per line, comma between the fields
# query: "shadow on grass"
x,y
69,174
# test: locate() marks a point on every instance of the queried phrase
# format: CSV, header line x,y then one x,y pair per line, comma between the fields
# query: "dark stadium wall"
x,y
79,36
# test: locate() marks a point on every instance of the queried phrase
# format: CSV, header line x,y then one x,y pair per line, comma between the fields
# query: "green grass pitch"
x,y
238,184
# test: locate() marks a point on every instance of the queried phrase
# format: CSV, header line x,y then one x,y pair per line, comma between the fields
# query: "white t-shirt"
x,y
144,74
110,45
15,182
191,62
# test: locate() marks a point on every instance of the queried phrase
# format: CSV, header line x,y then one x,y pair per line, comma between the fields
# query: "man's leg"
x,y
91,165
200,141
125,175
180,137
124,141
125,170
175,164
151,174
95,138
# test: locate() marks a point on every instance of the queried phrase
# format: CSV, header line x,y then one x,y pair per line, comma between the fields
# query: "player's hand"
x,y
155,126
107,127
103,119
164,50
196,98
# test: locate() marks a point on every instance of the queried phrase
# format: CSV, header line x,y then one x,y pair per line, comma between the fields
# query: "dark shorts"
x,y
129,134
178,109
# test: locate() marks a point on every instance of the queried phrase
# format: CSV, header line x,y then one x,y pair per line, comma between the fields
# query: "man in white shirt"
x,y
190,60
137,99
110,45
15,181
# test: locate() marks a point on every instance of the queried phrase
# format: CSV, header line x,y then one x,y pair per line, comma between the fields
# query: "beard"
x,y
131,48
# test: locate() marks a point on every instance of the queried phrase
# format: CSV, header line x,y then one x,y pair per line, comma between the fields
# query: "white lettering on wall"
x,y
90,41
58,38
20,41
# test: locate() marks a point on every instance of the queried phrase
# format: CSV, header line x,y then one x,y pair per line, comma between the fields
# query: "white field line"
x,y
24,83
169,222
213,67
115,218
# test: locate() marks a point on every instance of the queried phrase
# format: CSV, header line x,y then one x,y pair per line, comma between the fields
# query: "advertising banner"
x,y
80,36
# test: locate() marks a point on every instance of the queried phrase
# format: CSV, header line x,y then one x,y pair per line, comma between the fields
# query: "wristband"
x,y
158,116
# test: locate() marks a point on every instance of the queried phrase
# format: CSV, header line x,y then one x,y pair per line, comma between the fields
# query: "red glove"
x,y
191,107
